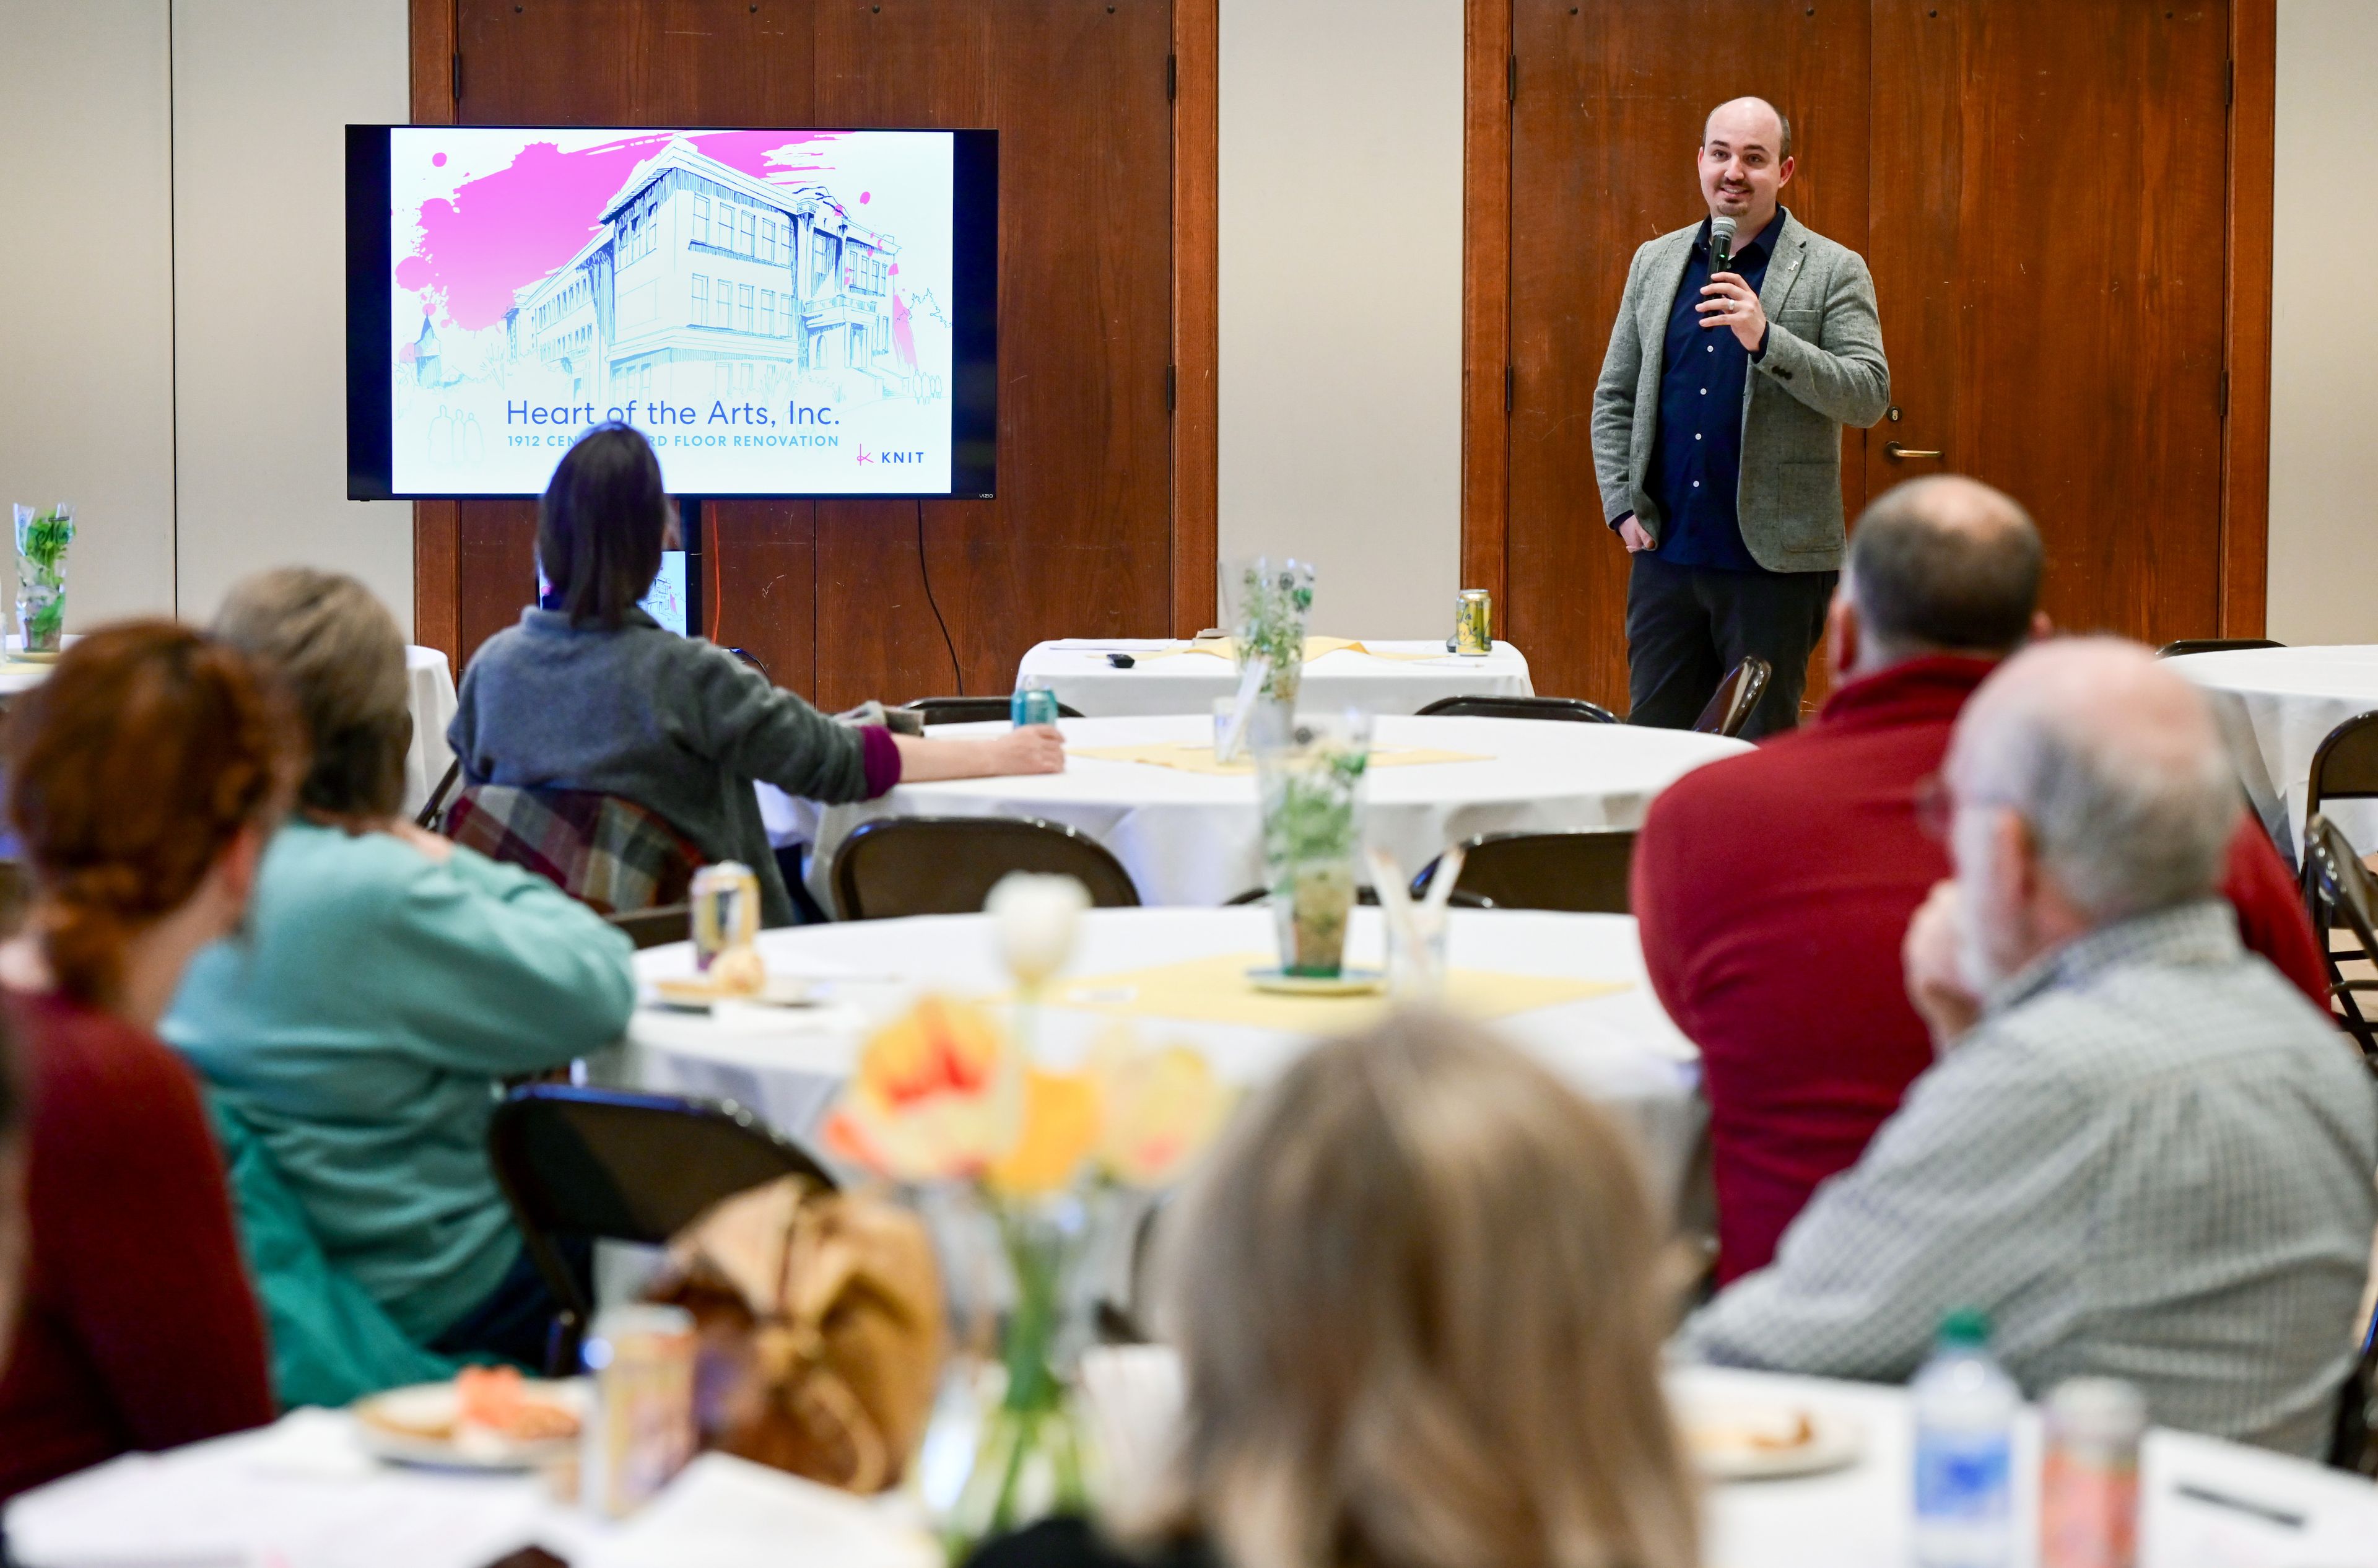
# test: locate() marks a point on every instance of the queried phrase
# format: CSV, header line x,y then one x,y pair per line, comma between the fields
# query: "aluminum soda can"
x,y
726,899
1032,704
1474,622
639,1431
2089,1475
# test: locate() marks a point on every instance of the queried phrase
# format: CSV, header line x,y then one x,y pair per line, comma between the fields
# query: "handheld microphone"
x,y
1721,245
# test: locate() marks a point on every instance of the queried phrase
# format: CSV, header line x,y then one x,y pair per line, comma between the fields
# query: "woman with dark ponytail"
x,y
143,779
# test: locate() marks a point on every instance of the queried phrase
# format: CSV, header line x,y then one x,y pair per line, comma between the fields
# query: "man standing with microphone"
x,y
1743,344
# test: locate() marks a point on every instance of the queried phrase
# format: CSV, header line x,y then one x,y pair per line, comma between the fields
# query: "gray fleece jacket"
x,y
677,724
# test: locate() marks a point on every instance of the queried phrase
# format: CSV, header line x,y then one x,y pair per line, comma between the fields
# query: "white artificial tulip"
x,y
1035,918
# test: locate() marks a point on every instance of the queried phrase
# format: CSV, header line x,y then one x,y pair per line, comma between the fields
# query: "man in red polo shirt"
x,y
1773,889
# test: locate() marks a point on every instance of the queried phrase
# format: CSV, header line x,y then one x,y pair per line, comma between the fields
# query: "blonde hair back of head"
x,y
339,654
1416,1296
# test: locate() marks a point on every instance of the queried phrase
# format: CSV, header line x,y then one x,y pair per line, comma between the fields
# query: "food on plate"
x,y
483,1406
1739,1432
739,971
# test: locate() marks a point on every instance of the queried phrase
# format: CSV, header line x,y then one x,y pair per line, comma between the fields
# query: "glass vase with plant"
x,y
1311,795
1274,601
1025,1174
42,541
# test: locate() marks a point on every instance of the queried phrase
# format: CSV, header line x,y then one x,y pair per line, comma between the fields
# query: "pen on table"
x,y
2197,1493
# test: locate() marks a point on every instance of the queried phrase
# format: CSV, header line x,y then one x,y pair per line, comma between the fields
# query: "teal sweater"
x,y
359,1027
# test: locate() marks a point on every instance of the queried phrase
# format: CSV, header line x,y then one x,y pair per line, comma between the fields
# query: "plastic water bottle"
x,y
1965,1450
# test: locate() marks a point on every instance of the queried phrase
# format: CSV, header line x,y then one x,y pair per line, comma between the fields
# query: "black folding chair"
x,y
2342,892
1576,709
2188,645
604,1164
437,803
1583,871
658,927
1737,698
2353,1441
2345,766
971,710
896,866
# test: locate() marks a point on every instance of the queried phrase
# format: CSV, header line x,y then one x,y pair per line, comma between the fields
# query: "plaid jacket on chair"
x,y
607,853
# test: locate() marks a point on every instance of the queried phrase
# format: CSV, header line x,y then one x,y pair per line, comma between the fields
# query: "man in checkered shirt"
x,y
2141,1151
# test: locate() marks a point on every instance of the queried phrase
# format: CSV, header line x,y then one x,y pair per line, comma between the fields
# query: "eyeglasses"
x,y
1936,807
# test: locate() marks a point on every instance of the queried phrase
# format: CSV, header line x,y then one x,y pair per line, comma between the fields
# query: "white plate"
x,y
1738,1440
1345,983
699,994
395,1426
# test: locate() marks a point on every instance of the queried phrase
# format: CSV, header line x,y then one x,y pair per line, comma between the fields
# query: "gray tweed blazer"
x,y
1823,369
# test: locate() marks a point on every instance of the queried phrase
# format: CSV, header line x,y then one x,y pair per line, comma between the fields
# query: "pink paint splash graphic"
x,y
437,160
506,229
904,340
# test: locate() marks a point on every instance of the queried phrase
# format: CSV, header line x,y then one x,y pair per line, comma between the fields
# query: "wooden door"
x,y
1605,120
1082,539
2068,220
2047,240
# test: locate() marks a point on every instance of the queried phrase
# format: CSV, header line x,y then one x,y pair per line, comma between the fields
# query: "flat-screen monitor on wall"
x,y
784,313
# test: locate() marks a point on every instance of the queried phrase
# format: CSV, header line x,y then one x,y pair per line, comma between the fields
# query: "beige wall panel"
x,y
1340,298
262,91
2323,341
86,301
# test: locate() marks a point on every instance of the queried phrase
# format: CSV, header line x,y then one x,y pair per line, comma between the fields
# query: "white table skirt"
x,y
1194,838
2276,705
1076,670
430,695
1862,1515
786,1065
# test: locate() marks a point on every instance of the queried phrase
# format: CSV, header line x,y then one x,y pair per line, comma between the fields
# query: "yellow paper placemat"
x,y
1215,990
1197,757
1315,647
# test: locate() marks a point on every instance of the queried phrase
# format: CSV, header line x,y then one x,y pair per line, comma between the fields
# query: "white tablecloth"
x,y
303,1494
786,1064
2276,705
431,697
1075,668
1862,1516
1194,838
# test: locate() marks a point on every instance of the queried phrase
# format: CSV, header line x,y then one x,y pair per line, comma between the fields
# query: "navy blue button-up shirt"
x,y
1697,451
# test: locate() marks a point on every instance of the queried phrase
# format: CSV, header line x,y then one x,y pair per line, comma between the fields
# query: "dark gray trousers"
x,y
1687,626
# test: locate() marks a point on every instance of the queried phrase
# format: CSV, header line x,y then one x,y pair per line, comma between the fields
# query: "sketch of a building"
x,y
704,283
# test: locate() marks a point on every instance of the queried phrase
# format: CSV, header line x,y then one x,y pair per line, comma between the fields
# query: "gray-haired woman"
x,y
387,981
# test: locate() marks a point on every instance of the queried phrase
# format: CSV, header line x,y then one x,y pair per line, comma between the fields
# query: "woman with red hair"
x,y
143,779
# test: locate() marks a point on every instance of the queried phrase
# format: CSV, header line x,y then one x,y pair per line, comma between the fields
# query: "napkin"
x,y
722,1511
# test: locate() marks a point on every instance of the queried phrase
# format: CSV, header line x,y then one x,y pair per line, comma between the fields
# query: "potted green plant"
x,y
42,541
1274,599
1311,791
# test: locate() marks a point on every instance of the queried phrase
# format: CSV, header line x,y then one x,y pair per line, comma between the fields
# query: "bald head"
x,y
1943,565
1746,121
2113,764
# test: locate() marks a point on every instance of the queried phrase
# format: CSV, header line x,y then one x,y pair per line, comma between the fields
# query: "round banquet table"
x,y
2275,706
1413,675
1194,838
788,1063
1862,1515
301,1493
430,694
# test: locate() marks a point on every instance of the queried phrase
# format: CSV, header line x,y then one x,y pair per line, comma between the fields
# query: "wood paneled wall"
x,y
2066,205
1104,522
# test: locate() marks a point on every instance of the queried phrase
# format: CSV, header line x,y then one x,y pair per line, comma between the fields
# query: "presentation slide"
x,y
772,307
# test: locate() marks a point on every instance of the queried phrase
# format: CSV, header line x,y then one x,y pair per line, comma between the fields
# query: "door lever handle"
x,y
1898,453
